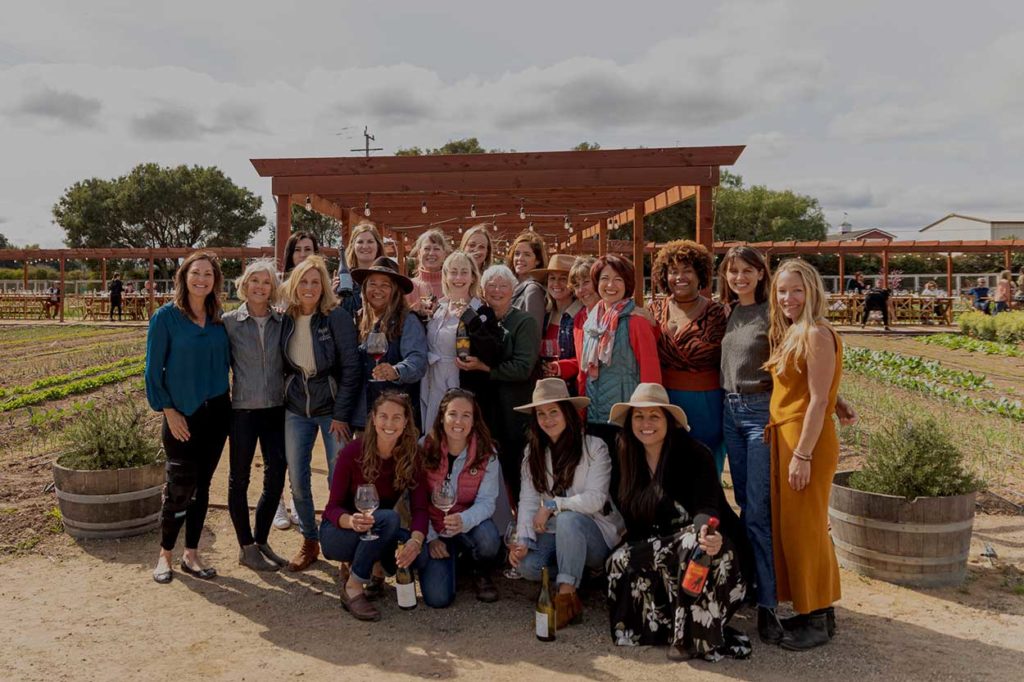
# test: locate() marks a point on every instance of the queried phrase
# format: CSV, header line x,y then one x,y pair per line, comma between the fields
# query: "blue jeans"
x,y
704,413
437,576
576,542
299,437
344,544
745,417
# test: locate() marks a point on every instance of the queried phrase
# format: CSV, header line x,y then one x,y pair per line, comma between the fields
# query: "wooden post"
x,y
152,284
103,273
1007,261
284,229
949,274
638,251
24,275
400,252
885,269
842,274
705,208
602,237
63,294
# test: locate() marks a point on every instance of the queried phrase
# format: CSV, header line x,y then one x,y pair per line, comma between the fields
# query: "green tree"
x,y
467,145
4,242
326,228
586,147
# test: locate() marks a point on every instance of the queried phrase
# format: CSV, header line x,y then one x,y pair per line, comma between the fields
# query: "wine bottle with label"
x,y
345,283
699,566
545,616
462,343
405,585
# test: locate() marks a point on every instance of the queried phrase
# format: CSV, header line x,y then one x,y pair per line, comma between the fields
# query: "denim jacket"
x,y
337,384
257,368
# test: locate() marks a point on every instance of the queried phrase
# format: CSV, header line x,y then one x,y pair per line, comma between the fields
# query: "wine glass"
x,y
511,540
549,350
444,497
376,347
367,502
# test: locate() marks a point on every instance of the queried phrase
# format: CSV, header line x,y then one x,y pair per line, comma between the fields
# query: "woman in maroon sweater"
x,y
387,456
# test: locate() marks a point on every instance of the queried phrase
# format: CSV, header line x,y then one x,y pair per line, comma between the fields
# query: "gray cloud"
x,y
238,116
167,124
61,106
394,105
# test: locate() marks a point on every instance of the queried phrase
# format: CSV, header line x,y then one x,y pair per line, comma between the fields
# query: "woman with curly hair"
x,y
690,343
528,252
386,456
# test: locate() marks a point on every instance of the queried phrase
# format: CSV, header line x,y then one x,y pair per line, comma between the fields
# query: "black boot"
x,y
813,633
769,629
799,620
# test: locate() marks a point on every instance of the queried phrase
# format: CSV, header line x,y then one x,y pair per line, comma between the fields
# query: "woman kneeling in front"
x,y
669,494
384,458
462,471
565,516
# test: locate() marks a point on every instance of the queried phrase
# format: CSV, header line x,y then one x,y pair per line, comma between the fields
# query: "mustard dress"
x,y
806,570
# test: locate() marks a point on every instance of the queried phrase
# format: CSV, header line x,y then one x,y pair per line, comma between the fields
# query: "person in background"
x,y
1004,292
566,519
669,492
619,348
856,285
129,288
429,252
459,449
364,247
385,311
323,383
477,243
980,294
806,365
116,289
386,456
1018,297
563,307
528,252
877,298
690,342
583,289
511,379
53,300
930,290
187,363
257,410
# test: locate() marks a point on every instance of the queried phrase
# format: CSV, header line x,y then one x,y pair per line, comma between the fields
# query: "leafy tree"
x,y
4,242
586,147
325,228
468,145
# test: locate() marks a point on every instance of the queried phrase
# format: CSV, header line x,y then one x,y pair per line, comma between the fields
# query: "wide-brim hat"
x,y
552,390
648,395
559,262
384,266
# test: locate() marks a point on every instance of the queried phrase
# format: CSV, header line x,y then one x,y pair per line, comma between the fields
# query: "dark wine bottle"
x,y
345,284
462,341
405,586
699,566
545,616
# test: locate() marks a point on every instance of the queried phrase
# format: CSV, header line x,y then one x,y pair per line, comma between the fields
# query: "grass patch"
x,y
54,521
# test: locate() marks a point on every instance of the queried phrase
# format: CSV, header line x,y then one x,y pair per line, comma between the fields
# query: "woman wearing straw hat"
x,y
557,332
565,516
404,362
669,491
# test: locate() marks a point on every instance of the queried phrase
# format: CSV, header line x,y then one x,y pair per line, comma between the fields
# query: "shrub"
x,y
1005,327
113,437
914,456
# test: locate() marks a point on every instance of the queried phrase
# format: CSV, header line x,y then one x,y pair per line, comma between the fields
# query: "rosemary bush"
x,y
914,456
112,437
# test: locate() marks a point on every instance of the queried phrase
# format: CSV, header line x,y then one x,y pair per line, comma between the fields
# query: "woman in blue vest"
x,y
187,362
459,449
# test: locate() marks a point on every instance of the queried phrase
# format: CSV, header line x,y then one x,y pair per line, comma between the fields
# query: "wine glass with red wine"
x,y
376,347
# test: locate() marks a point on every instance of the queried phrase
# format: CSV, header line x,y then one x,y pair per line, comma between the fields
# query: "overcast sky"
x,y
893,112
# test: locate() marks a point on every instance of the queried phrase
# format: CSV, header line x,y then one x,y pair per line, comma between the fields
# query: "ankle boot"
x,y
813,633
308,553
769,628
252,557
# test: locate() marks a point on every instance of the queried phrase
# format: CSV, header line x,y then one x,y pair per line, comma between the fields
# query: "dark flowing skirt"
x,y
647,606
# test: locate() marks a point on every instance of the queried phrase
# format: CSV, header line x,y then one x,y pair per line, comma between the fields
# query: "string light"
x,y
472,210
366,209
566,224
460,229
522,211
423,207
531,226
309,203
495,227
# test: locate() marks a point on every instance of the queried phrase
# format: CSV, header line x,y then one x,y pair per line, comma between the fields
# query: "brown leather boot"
x,y
307,555
568,610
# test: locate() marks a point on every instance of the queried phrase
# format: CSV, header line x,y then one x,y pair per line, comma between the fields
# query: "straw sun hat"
x,y
648,395
552,390
560,262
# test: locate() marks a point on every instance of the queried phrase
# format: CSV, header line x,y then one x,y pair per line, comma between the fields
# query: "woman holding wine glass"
x,y
462,472
557,342
392,344
565,519
668,493
360,525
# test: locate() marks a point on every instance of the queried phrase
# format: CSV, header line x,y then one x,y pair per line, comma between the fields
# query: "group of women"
x,y
603,425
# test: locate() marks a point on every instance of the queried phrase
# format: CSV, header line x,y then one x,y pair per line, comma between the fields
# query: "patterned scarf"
x,y
599,334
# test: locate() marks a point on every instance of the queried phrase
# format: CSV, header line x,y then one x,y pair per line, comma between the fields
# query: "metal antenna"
x,y
367,149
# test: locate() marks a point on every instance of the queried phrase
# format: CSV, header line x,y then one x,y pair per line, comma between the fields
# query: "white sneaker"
x,y
281,520
292,516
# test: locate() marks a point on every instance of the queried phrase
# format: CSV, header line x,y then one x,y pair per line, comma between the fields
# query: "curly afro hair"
x,y
682,252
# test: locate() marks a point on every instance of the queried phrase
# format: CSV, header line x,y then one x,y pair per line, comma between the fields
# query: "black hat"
x,y
384,266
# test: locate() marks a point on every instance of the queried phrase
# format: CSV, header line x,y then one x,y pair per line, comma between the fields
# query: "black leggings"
x,y
884,309
190,467
115,302
248,426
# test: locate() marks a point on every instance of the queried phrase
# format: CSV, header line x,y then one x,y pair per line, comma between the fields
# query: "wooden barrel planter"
x,y
112,503
920,543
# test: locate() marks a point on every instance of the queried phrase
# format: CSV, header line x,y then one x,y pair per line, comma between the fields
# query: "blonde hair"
x,y
350,250
267,265
290,295
434,236
454,259
479,228
790,341
580,271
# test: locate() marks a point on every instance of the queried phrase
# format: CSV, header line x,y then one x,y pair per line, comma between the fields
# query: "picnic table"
x,y
25,306
133,306
907,309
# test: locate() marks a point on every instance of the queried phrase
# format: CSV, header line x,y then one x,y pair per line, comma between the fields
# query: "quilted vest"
x,y
615,382
467,484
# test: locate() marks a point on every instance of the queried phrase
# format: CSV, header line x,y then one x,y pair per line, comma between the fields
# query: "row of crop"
x,y
902,371
73,388
59,379
1005,327
969,343
32,336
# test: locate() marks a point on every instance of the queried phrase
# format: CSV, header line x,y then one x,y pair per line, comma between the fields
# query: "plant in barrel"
x,y
545,615
699,566
405,585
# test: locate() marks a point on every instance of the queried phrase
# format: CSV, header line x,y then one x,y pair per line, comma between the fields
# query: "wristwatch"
x,y
551,505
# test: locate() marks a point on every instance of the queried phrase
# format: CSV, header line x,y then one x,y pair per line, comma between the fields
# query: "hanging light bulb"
x,y
366,209
460,229
309,203
423,207
531,226
495,227
566,223
522,212
570,229
472,210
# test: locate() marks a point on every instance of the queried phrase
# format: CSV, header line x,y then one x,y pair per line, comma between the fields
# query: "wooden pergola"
x,y
572,199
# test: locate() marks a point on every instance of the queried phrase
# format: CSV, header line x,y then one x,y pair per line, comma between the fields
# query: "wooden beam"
x,y
103,272
24,275
602,237
400,252
319,204
885,269
842,273
949,274
505,161
496,180
152,285
1007,260
705,217
638,252
63,293
284,229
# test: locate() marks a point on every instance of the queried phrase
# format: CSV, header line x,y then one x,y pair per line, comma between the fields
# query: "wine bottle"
x,y
545,616
462,341
345,284
405,586
699,566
